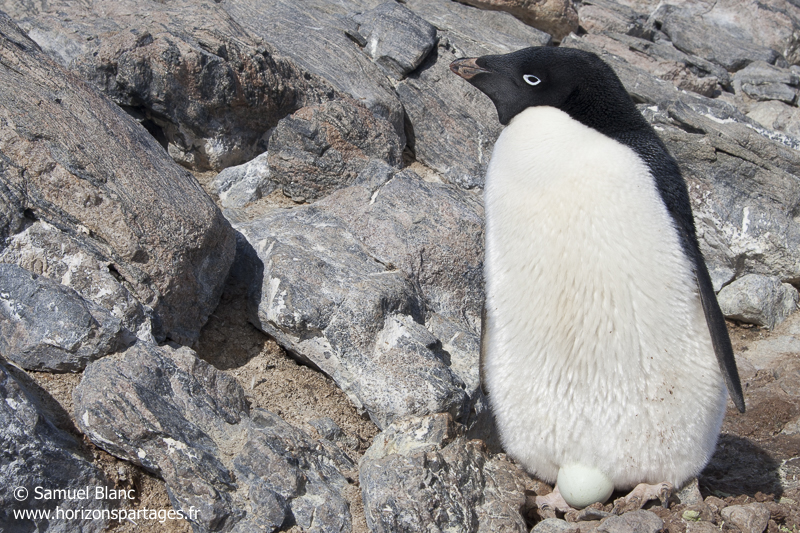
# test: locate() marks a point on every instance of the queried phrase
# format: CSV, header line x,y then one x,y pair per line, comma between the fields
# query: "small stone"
x,y
327,428
632,522
691,515
242,184
750,518
588,514
689,494
758,299
555,525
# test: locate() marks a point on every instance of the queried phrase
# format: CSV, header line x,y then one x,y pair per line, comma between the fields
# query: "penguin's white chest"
x,y
597,349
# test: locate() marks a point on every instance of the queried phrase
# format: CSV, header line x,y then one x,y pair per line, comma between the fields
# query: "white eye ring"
x,y
530,79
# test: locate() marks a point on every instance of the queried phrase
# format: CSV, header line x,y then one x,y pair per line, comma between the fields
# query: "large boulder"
x,y
47,326
711,42
44,466
322,39
328,300
44,250
226,468
75,160
559,18
421,474
771,23
453,126
319,149
198,81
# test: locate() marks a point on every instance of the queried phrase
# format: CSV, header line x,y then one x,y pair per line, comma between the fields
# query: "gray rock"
x,y
75,160
556,17
601,16
205,87
689,494
161,409
242,184
750,518
762,81
710,42
36,453
331,303
47,326
771,23
742,186
431,232
632,522
327,428
47,251
395,38
661,60
453,126
291,478
317,36
322,148
477,32
185,421
758,299
421,474
775,115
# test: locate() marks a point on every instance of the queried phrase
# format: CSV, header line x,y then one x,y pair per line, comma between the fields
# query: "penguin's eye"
x,y
530,79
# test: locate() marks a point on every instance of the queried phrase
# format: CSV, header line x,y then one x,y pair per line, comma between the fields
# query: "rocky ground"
x,y
241,257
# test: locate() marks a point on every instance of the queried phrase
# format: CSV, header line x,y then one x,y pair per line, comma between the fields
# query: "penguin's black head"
x,y
576,82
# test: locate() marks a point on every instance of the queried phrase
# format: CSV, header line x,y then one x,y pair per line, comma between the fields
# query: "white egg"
x,y
583,485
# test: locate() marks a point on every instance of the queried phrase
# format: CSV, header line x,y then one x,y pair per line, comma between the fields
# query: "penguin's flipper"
x,y
719,334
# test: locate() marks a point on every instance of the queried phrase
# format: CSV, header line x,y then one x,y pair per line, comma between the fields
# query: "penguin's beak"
x,y
467,67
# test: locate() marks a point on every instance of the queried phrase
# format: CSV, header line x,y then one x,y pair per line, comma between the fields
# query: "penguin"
x,y
604,355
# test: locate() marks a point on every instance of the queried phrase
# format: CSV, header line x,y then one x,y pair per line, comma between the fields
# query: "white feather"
x,y
598,352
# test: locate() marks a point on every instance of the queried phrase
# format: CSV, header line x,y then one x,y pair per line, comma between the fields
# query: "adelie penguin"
x,y
605,355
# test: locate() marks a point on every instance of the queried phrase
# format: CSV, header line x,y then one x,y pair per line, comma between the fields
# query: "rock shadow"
x,y
229,339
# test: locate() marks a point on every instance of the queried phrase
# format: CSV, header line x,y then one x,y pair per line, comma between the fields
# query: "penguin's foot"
x,y
642,494
551,503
